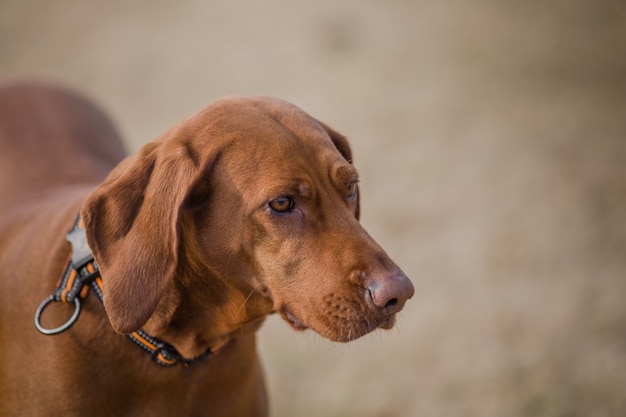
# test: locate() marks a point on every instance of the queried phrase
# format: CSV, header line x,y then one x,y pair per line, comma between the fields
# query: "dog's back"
x,y
51,138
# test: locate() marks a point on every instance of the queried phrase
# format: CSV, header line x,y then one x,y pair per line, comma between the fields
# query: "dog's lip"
x,y
292,319
385,323
388,323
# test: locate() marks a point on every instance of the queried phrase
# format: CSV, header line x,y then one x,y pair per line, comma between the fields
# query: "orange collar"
x,y
81,273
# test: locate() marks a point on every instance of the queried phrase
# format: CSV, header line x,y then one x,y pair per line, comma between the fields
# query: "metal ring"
x,y
62,327
168,353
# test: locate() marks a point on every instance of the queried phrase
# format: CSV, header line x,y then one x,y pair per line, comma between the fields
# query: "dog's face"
x,y
260,197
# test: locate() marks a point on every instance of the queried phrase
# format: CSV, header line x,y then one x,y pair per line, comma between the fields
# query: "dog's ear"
x,y
342,145
132,221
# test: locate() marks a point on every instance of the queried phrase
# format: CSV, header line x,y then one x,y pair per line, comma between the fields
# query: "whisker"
x,y
244,302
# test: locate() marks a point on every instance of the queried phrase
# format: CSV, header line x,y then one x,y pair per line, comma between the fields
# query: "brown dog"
x,y
247,208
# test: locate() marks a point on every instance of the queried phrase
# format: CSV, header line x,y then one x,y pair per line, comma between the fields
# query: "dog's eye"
x,y
282,204
353,189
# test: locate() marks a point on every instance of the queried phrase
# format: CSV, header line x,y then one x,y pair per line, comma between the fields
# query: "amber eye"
x,y
282,204
352,190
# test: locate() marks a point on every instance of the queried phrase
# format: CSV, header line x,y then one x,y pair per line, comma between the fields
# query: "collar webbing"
x,y
81,272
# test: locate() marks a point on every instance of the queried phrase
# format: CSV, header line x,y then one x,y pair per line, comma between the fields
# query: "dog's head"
x,y
249,206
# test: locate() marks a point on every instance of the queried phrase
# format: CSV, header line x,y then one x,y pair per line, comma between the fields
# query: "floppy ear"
x,y
132,221
342,145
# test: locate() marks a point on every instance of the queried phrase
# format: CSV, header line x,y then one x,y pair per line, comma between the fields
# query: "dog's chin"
x,y
343,331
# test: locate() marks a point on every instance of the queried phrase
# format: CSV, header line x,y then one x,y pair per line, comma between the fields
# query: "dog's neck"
x,y
189,318
203,307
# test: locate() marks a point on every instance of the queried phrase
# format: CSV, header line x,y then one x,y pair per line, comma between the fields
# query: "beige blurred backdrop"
x,y
491,140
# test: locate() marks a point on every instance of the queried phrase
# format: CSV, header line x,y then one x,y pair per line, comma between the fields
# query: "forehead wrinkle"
x,y
343,173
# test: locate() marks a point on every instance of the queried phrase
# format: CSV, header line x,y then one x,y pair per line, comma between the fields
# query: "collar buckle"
x,y
81,253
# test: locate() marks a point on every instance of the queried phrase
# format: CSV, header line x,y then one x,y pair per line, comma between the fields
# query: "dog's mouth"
x,y
341,329
290,318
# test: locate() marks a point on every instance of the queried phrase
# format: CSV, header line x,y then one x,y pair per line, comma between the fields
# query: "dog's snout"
x,y
390,292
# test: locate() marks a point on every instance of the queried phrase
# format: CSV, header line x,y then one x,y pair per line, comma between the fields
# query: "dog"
x,y
148,275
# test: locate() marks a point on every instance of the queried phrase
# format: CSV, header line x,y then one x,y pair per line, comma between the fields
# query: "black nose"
x,y
390,292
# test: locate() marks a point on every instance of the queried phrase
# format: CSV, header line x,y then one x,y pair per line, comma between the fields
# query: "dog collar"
x,y
82,273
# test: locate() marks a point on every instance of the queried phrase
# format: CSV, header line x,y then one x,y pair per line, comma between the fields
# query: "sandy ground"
x,y
491,139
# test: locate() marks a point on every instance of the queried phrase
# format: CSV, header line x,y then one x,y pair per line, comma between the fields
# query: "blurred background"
x,y
491,140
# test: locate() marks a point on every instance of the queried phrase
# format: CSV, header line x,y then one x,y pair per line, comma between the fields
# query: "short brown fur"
x,y
189,248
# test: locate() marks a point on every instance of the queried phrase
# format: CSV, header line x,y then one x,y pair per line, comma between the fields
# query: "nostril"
x,y
382,300
389,293
391,304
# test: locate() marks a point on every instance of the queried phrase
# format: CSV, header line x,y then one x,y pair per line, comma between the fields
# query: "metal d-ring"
x,y
62,327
